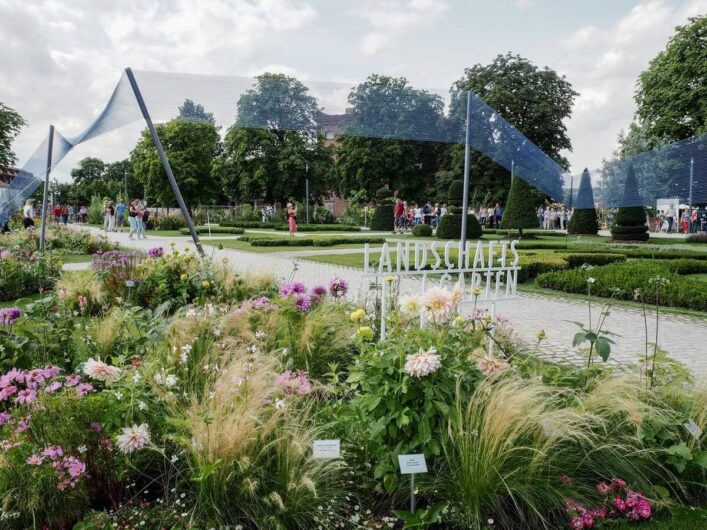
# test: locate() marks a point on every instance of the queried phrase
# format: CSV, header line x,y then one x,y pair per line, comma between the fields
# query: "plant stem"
x,y
645,323
655,346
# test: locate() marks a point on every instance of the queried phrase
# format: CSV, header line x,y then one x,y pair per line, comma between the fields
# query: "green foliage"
x,y
630,220
584,216
205,230
191,147
671,91
11,122
248,224
455,194
23,273
383,218
304,242
95,210
321,228
520,209
167,222
575,261
195,112
700,237
533,265
450,227
383,193
637,274
422,230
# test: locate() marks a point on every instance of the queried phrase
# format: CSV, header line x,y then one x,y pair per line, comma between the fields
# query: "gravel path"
x,y
685,337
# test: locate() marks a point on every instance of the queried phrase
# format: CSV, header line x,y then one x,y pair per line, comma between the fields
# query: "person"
x,y
482,216
83,214
437,215
693,221
546,218
110,217
685,222
28,213
418,214
145,218
120,215
539,214
140,216
498,215
398,212
57,213
65,214
132,219
291,216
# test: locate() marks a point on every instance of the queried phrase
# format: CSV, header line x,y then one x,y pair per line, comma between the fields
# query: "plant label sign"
x,y
412,464
693,429
327,449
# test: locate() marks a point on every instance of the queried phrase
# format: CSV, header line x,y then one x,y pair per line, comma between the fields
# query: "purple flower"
x,y
5,417
83,389
338,287
303,303
9,315
319,291
289,289
53,387
260,302
51,371
155,252
25,397
72,380
53,452
23,425
8,391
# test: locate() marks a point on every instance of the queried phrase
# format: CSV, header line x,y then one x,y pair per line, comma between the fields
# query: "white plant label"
x,y
327,449
412,464
693,429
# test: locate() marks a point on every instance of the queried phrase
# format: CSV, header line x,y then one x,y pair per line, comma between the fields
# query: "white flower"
x,y
170,381
410,305
280,404
590,280
187,349
490,365
438,304
173,459
136,377
159,378
422,363
134,438
184,357
141,405
260,334
82,449
100,370
118,395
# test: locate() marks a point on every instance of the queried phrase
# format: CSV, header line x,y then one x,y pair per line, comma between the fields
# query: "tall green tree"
x,y
11,122
123,173
274,146
520,209
88,170
630,220
383,139
191,147
536,101
584,216
671,96
195,112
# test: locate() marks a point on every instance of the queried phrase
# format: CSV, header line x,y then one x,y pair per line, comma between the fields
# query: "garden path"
x,y
685,337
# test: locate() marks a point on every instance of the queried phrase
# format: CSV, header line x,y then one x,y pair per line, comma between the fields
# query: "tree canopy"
x,y
273,146
11,122
191,147
88,170
194,112
372,152
671,96
536,101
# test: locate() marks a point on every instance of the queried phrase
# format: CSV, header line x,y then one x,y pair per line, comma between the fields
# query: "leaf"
x,y
701,459
590,336
603,348
680,450
579,338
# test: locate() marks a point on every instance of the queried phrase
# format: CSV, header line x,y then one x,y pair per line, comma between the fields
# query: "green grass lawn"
x,y
242,245
21,302
698,277
126,229
76,258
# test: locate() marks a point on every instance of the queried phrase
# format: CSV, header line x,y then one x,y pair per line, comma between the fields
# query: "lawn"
x,y
698,277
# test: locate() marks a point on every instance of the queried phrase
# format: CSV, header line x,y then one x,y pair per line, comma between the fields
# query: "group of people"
x,y
553,217
491,216
408,215
673,221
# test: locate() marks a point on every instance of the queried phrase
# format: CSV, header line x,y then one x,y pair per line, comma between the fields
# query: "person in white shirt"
x,y
546,219
28,213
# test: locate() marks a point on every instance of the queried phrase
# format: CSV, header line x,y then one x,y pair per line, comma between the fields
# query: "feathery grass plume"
x,y
73,284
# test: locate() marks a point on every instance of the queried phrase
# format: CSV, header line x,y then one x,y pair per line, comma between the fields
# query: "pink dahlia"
x,y
423,363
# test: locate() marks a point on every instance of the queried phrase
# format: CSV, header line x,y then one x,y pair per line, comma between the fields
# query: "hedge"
x,y
583,221
533,265
204,230
422,230
249,224
521,210
383,220
636,274
697,238
596,259
303,242
322,228
450,227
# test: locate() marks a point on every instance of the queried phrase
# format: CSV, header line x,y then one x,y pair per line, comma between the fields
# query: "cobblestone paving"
x,y
685,337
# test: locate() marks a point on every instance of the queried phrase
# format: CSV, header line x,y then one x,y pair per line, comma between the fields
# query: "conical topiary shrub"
x,y
584,217
450,225
383,218
630,220
520,211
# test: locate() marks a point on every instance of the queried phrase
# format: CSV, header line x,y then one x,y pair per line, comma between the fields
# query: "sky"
x,y
61,59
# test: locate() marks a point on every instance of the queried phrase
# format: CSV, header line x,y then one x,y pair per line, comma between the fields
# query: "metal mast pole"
x,y
165,161
45,197
571,189
306,188
467,169
692,174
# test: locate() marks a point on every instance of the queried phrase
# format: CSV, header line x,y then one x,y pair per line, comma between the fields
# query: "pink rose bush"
x,y
620,502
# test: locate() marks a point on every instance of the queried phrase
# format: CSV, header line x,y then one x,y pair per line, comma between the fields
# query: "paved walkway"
x,y
685,337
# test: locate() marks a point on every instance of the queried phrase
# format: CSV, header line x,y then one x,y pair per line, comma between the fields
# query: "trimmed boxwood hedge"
x,y
304,242
383,218
322,228
422,230
532,266
595,259
635,274
249,224
231,230
450,227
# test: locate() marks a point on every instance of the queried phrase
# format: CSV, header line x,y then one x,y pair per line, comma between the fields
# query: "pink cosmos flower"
x,y
35,460
53,452
25,397
72,380
51,371
52,387
5,417
83,389
588,520
8,391
23,425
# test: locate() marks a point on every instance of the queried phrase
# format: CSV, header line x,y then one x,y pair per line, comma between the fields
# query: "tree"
x,y
630,221
535,101
11,122
383,137
520,210
384,217
191,147
584,216
450,225
194,112
274,140
88,171
671,96
122,172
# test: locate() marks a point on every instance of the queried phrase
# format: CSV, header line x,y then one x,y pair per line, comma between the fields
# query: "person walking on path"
x,y
120,215
28,213
291,216
65,215
140,216
132,219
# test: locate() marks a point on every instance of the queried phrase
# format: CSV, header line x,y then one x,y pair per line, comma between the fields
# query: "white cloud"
x,y
390,19
524,4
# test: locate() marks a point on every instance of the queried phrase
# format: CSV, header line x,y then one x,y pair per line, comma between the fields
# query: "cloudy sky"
x,y
61,59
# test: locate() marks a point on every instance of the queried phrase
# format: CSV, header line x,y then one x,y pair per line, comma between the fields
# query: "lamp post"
x,y
571,189
306,188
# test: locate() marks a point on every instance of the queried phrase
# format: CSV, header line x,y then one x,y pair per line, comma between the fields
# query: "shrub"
x,y
596,259
168,222
533,266
422,230
251,224
584,217
630,220
455,194
697,238
450,227
304,242
383,218
24,273
383,193
321,228
520,210
95,210
637,274
205,230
